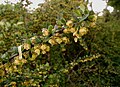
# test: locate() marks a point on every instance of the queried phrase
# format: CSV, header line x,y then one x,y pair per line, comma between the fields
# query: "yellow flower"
x,y
81,60
13,83
26,83
76,34
75,39
48,48
33,57
63,49
43,47
69,23
65,71
94,18
93,25
36,46
2,73
33,39
83,31
65,31
23,61
52,42
57,34
10,69
45,32
14,67
43,52
27,46
17,62
65,40
58,40
37,51
44,72
72,30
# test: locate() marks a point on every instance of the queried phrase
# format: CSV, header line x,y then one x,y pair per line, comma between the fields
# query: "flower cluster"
x,y
45,32
58,40
93,19
26,46
69,30
42,48
77,33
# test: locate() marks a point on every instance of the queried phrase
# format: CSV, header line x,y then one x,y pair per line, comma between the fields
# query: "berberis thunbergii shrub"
x,y
58,55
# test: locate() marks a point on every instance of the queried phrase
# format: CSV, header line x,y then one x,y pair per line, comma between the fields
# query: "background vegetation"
x,y
63,44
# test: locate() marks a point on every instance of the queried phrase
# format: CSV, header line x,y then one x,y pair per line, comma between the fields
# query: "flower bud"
x,y
83,31
69,23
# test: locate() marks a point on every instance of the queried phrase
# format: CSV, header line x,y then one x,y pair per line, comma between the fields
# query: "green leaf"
x,y
8,24
15,49
19,23
59,22
63,21
50,27
78,13
83,18
2,23
1,36
38,40
2,43
82,7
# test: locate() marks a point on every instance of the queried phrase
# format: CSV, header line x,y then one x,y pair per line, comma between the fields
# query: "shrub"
x,y
68,51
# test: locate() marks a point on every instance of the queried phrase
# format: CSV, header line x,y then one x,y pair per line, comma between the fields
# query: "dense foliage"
x,y
107,43
13,26
114,3
52,11
60,44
